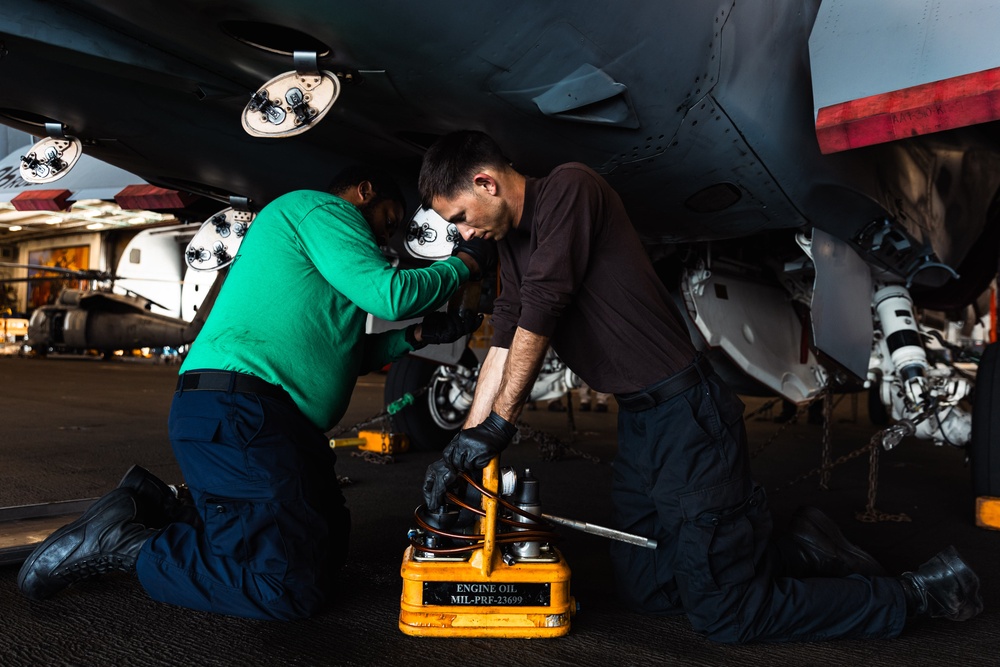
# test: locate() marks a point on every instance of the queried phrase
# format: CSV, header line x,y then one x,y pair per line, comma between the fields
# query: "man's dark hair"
x,y
451,161
383,185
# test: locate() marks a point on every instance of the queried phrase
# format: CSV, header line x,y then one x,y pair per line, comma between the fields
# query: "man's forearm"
x,y
527,351
487,386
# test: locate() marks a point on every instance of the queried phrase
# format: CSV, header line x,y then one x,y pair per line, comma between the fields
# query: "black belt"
x,y
664,390
229,382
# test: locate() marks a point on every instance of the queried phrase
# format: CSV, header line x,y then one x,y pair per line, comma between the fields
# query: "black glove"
x,y
438,478
442,327
483,252
473,448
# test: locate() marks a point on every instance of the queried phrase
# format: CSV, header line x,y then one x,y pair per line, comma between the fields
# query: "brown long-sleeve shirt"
x,y
574,270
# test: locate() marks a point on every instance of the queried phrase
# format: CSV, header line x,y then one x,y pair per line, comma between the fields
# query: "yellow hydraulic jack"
x,y
494,583
467,577
380,442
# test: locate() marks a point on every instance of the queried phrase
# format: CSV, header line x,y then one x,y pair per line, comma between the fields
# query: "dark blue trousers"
x,y
273,525
682,477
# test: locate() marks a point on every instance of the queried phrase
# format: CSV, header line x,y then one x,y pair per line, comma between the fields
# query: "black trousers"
x,y
682,477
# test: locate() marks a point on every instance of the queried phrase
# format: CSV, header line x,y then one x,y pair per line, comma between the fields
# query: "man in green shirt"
x,y
272,370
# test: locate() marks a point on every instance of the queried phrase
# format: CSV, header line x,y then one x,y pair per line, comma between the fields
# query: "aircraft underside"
x,y
808,267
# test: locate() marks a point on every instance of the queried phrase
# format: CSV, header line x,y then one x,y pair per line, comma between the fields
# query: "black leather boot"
x,y
943,587
813,546
157,504
104,539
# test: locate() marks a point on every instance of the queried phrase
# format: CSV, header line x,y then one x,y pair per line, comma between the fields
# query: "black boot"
x,y
943,587
104,539
813,546
156,503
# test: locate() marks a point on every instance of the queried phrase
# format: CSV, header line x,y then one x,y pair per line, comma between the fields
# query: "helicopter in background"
x,y
112,315
101,319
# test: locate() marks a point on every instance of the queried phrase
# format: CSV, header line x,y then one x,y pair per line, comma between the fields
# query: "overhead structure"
x,y
218,239
51,158
293,102
95,195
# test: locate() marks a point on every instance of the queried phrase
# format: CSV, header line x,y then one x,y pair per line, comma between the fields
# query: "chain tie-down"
x,y
869,514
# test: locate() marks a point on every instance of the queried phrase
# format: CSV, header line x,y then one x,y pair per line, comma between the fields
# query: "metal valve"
x,y
527,497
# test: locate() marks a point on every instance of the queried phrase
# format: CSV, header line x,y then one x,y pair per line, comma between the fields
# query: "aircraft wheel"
x,y
984,447
438,414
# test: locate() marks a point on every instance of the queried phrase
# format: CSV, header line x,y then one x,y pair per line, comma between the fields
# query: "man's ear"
x,y
365,191
486,181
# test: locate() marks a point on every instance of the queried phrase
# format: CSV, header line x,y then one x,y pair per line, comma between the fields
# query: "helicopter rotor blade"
x,y
36,279
82,274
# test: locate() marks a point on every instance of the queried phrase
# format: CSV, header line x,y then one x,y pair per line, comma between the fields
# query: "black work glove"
x,y
442,327
483,252
470,450
437,479
473,448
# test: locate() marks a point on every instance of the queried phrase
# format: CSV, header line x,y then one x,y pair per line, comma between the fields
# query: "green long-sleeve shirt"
x,y
293,309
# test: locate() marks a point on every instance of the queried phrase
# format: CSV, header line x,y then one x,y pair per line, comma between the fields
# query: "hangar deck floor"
x,y
71,427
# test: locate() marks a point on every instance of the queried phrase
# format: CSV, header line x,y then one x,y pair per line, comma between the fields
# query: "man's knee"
x,y
712,611
722,627
289,598
644,581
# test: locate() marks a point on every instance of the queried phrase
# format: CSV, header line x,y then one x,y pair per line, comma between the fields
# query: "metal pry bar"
x,y
609,533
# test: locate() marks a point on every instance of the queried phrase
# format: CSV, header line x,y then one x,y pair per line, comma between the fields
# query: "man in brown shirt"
x,y
574,275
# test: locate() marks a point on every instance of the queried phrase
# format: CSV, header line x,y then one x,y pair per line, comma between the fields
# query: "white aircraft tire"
x,y
426,431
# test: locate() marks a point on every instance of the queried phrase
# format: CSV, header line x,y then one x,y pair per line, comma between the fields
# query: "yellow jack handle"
x,y
491,482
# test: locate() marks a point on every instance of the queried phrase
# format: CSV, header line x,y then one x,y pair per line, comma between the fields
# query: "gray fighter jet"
x,y
810,176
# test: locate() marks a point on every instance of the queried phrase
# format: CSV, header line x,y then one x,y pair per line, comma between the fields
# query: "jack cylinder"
x,y
527,497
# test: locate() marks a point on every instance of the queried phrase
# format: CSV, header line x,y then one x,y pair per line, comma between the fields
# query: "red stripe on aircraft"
x,y
931,107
